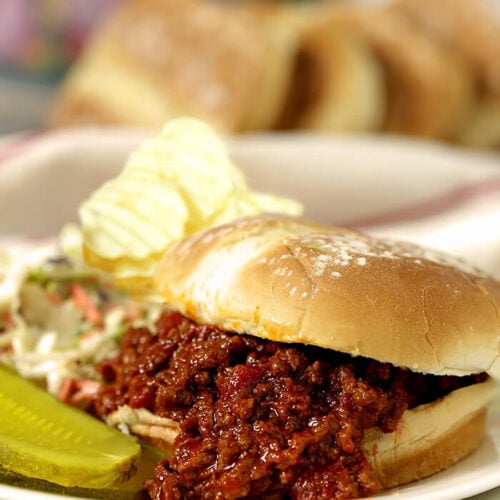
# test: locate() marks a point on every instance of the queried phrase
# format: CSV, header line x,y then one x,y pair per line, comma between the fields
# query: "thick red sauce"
x,y
260,419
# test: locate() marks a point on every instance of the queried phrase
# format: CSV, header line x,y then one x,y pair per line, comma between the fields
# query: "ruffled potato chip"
x,y
190,155
268,203
173,185
133,218
248,203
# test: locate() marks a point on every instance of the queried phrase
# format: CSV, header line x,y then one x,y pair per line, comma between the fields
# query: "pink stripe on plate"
x,y
436,205
19,144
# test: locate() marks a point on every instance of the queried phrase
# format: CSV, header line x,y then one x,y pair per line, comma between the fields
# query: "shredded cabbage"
x,y
58,317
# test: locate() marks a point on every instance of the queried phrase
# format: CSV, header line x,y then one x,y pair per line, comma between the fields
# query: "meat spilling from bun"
x,y
296,360
252,418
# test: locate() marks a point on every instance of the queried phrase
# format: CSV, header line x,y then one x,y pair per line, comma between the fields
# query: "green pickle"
x,y
44,439
132,489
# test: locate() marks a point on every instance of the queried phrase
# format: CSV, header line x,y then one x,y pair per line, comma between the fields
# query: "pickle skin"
x,y
40,485
131,489
42,438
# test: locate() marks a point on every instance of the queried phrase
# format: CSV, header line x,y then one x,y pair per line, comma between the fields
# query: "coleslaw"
x,y
59,317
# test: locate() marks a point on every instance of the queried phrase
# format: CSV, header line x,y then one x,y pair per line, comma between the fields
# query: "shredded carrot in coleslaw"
x,y
84,302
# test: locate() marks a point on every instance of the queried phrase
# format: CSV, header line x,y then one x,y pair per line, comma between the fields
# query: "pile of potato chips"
x,y
173,185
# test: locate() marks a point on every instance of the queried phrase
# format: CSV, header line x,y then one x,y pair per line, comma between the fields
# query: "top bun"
x,y
290,280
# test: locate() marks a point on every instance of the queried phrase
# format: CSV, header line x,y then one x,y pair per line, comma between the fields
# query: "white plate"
x,y
339,179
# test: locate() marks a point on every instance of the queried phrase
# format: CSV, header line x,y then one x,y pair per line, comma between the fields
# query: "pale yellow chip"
x,y
247,204
174,184
133,218
189,154
271,204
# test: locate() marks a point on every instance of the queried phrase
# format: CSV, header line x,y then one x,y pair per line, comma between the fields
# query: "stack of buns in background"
x,y
415,67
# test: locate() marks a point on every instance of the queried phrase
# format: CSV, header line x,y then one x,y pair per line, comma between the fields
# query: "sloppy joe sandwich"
x,y
296,360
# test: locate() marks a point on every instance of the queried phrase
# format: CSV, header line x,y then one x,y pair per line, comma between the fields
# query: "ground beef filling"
x,y
259,419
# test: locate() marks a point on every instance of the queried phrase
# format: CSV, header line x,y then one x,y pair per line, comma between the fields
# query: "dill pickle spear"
x,y
42,438
132,489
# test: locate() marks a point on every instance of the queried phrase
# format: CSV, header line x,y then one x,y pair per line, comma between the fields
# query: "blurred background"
x,y
421,68
39,40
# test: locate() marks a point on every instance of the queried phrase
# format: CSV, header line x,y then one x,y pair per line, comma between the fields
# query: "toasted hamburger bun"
x,y
430,437
290,280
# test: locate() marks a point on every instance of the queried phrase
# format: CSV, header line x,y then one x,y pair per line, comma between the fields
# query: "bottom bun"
x,y
430,437
156,431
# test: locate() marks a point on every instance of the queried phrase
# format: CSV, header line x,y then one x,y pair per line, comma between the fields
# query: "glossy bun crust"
x,y
289,280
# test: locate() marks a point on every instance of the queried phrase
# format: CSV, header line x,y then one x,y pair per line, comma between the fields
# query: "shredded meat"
x,y
259,419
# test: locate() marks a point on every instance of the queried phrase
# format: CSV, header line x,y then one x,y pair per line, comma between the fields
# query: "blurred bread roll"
x,y
296,15
471,30
483,129
338,83
428,90
154,60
